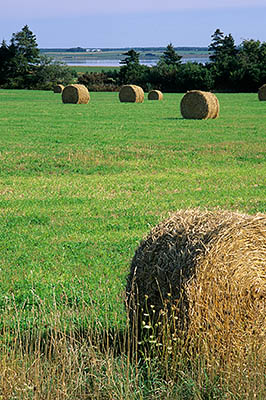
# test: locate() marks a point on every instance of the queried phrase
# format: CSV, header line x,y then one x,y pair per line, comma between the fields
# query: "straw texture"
x,y
59,88
155,95
210,268
262,93
197,104
228,293
131,94
75,94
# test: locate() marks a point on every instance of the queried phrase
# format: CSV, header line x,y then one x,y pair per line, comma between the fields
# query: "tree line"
x,y
23,67
230,68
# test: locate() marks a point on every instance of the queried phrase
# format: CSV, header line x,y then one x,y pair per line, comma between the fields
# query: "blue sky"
x,y
116,23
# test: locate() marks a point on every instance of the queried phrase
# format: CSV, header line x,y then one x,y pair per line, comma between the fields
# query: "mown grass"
x,y
81,184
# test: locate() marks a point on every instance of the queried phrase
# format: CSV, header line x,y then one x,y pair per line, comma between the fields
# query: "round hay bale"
x,y
208,269
75,94
214,106
197,104
59,88
262,93
131,94
155,95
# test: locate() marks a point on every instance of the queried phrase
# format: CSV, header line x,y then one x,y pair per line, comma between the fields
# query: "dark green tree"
x,y
132,72
104,81
194,76
228,48
22,66
224,60
262,63
187,76
49,73
26,55
132,57
170,56
252,66
26,45
216,45
19,59
5,62
165,75
222,47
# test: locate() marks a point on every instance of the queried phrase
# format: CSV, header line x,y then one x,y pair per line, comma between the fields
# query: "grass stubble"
x,y
79,189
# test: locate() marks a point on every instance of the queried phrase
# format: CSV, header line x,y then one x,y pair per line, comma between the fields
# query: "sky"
x,y
134,23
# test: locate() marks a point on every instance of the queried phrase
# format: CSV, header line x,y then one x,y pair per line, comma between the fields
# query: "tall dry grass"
x,y
49,358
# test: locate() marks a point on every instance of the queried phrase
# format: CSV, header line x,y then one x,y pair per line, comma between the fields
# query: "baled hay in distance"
x,y
131,94
262,93
197,104
155,95
209,268
59,88
75,94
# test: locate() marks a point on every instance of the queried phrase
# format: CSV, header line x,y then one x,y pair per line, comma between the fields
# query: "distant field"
x,y
114,56
80,185
86,56
84,69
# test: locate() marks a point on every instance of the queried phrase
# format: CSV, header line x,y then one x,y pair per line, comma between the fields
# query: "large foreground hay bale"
x,y
155,95
197,104
131,94
75,94
59,88
208,269
262,93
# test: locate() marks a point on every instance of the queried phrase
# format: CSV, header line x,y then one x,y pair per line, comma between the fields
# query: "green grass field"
x,y
80,185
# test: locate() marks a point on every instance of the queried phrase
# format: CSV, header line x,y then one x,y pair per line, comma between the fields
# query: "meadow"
x,y
80,186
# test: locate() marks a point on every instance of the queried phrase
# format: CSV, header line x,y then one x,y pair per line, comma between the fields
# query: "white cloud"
x,y
57,8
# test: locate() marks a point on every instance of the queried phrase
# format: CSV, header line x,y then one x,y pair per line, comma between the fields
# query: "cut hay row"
x,y
197,104
208,269
75,94
155,95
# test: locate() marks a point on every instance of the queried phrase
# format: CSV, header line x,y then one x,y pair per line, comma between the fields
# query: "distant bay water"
x,y
116,63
